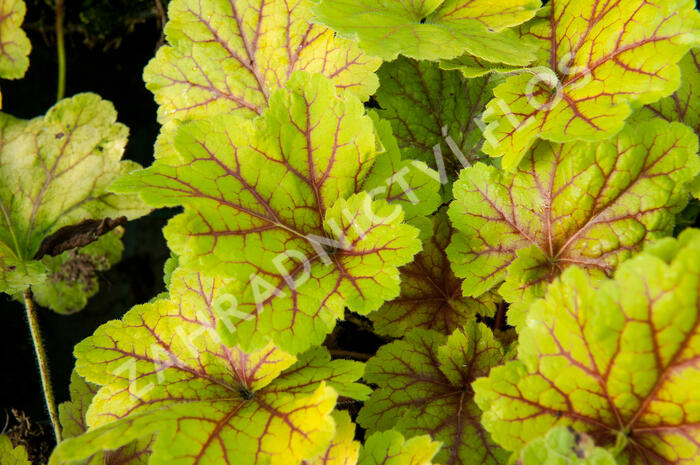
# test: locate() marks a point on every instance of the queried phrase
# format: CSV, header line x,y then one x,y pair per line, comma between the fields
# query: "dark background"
x,y
107,43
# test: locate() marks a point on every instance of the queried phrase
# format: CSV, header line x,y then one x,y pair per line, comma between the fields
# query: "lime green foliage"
x,y
55,171
14,44
565,446
72,417
409,183
390,448
162,369
72,276
343,450
433,29
229,57
602,58
586,204
431,295
273,202
684,105
425,105
616,359
424,388
12,455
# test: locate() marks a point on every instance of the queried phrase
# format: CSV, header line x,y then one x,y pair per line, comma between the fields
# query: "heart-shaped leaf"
x,y
55,171
229,57
390,448
614,360
424,388
430,107
431,295
278,203
163,370
602,58
586,204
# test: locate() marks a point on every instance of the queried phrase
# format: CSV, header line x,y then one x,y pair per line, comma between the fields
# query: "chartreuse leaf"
x,y
277,203
381,448
586,204
229,57
12,455
14,44
390,448
617,360
428,107
406,182
564,446
72,276
684,105
163,370
431,30
343,450
55,171
602,58
431,295
72,417
424,388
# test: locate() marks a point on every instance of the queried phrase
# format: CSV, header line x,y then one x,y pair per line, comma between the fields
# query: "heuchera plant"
x,y
496,186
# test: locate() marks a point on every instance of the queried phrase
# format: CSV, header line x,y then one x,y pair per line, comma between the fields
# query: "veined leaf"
x,y
432,30
431,295
614,360
390,448
12,455
55,171
602,58
230,56
277,203
424,388
382,448
164,370
684,105
14,43
343,450
586,204
565,445
406,182
427,105
72,417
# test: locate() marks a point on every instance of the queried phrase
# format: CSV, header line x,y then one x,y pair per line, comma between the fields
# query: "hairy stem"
x,y
43,362
61,51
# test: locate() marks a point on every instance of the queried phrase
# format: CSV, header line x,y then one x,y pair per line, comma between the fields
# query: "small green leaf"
x,y
603,57
432,30
314,151
591,205
390,448
424,388
615,359
562,445
55,171
427,105
229,57
163,370
431,295
14,43
12,455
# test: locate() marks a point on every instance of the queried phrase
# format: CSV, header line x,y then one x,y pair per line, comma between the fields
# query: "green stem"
x,y
43,363
61,50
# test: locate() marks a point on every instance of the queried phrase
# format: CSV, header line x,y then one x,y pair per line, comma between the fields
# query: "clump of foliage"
x,y
504,217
